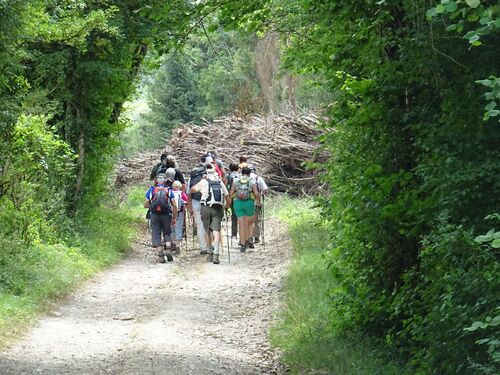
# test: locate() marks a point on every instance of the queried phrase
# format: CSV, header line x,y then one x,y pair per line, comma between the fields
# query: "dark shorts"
x,y
212,217
160,227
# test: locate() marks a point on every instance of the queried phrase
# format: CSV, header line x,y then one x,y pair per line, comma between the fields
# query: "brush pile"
x,y
278,146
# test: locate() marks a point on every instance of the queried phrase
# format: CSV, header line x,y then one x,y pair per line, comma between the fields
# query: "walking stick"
x,y
263,226
227,237
184,231
231,227
192,227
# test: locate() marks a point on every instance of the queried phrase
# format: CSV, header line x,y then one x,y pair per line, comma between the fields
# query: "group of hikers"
x,y
208,195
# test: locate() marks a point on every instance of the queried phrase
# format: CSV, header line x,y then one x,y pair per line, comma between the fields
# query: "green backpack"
x,y
243,190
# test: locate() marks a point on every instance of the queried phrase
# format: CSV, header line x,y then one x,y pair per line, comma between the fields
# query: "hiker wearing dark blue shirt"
x,y
161,202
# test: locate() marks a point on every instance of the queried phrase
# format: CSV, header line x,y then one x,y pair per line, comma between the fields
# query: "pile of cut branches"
x,y
278,146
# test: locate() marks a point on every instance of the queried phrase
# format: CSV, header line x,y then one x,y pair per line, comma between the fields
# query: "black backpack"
x,y
160,201
161,169
230,179
194,177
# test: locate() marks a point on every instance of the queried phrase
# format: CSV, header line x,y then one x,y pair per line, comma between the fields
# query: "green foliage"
x,y
479,20
454,284
35,174
304,333
211,76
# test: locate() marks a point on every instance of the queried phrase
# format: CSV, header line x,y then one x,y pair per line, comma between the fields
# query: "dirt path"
x,y
185,317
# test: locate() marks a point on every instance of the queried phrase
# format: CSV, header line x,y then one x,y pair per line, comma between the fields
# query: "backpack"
x,y
178,198
160,201
230,179
243,190
194,177
215,193
161,169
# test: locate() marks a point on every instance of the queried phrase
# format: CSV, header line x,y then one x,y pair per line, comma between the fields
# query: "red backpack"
x,y
160,200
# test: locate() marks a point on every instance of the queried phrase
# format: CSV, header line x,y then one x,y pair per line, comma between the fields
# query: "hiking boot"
x,y
216,259
203,252
243,248
161,256
256,240
173,248
250,244
168,255
210,257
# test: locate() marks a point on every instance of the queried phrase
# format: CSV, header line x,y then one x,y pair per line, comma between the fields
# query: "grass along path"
x,y
304,333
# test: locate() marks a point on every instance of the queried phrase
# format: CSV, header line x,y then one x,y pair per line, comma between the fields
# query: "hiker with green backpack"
x,y
245,195
214,200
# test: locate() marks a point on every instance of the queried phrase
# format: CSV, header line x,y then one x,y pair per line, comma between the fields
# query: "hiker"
x,y
168,161
213,196
263,190
177,229
160,200
246,196
233,174
171,163
194,204
157,168
211,157
243,162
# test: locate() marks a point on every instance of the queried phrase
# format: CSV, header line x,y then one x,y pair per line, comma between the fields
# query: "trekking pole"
x,y
227,237
263,226
184,230
192,227
231,227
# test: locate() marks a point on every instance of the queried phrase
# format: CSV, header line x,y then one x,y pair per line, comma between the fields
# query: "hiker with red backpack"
x,y
214,200
160,201
245,195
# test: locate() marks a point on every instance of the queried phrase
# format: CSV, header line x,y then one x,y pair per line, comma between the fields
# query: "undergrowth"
x,y
35,275
304,332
